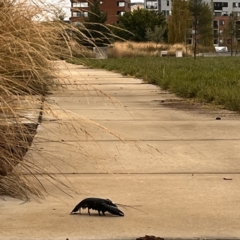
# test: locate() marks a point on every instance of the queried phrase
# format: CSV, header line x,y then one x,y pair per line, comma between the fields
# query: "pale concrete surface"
x,y
136,145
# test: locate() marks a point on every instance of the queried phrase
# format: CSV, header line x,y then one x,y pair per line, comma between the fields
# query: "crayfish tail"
x,y
113,210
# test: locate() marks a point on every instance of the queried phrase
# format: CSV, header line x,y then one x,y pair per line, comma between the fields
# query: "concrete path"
x,y
137,145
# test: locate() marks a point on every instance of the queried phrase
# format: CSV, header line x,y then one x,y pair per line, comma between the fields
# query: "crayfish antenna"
x,y
127,206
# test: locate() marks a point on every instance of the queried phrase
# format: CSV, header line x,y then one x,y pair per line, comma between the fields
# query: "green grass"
x,y
211,80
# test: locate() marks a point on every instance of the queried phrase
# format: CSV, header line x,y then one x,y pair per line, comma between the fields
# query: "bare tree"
x,y
202,22
179,22
231,30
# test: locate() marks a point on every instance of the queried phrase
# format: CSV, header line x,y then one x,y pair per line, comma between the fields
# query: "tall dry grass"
x,y
30,39
143,49
27,46
134,49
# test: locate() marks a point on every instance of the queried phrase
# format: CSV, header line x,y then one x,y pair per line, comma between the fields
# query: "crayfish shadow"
x,y
94,215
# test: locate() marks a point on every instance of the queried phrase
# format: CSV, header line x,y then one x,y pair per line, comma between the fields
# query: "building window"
x,y
166,13
120,13
76,14
217,13
168,3
234,4
75,4
84,4
222,22
225,4
80,4
151,4
121,4
215,24
80,14
220,5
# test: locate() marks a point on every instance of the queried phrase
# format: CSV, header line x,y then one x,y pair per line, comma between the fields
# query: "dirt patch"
x,y
199,108
15,142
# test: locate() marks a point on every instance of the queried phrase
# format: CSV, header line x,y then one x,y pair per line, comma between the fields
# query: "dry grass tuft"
x,y
30,41
27,48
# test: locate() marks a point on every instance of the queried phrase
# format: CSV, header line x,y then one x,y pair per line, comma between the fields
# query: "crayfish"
x,y
98,204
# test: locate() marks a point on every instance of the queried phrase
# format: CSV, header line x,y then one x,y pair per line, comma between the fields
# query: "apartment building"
x,y
220,7
221,12
159,5
80,9
225,7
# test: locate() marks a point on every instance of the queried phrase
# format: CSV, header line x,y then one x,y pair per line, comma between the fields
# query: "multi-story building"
x,y
222,9
153,5
225,7
159,5
114,8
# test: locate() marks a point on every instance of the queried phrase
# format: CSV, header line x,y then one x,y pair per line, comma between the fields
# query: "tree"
x,y
95,14
95,30
179,22
205,25
202,22
231,30
156,35
138,22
